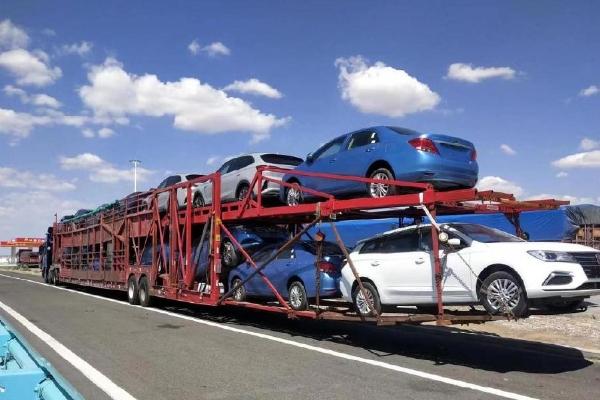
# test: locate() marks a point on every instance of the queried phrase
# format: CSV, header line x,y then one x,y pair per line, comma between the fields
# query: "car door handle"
x,y
374,263
419,261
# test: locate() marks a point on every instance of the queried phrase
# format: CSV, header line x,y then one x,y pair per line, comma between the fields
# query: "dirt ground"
x,y
579,329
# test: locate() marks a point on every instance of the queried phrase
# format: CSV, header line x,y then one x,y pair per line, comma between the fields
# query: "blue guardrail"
x,y
25,375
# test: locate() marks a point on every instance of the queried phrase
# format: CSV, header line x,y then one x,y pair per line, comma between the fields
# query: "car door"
x,y
324,160
244,172
163,197
457,277
207,187
358,153
230,179
400,269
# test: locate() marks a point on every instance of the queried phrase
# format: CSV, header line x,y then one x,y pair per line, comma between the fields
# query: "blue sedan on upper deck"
x,y
385,152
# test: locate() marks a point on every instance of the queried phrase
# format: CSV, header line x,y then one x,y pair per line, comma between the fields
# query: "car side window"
x,y
372,246
360,139
402,242
330,148
163,184
243,162
225,167
425,243
171,180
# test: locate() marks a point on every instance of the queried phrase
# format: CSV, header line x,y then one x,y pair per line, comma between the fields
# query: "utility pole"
x,y
135,164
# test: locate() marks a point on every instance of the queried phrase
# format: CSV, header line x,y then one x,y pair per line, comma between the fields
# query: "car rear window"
x,y
281,159
192,176
329,248
403,131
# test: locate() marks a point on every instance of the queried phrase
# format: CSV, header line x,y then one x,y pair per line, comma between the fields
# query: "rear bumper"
x,y
441,179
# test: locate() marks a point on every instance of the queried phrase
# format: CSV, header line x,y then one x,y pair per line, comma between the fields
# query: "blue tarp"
x,y
548,225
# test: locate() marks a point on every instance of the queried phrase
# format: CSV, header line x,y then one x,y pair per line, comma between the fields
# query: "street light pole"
x,y
135,164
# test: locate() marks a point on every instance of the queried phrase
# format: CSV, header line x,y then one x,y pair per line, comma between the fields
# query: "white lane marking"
x,y
393,367
98,378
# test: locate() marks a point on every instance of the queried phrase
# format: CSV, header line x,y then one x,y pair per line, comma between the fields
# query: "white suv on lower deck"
x,y
480,265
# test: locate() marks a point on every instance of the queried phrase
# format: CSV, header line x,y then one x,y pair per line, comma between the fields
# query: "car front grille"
x,y
590,263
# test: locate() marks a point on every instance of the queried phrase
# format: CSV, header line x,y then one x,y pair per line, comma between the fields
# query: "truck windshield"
x,y
484,234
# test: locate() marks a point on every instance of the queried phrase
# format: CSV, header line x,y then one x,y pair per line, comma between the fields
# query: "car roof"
x,y
412,227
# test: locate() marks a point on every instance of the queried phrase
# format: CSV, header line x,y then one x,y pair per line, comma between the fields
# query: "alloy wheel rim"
x,y
227,253
293,197
503,294
362,304
296,297
237,295
379,189
243,193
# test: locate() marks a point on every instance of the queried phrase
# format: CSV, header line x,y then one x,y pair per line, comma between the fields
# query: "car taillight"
x,y
474,155
424,144
326,266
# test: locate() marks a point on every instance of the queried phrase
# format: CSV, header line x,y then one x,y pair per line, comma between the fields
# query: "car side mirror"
x,y
310,158
455,242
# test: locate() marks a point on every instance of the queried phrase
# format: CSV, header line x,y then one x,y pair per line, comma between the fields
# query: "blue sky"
x,y
156,81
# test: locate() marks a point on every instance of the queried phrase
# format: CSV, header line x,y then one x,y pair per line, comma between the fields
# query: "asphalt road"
x,y
157,355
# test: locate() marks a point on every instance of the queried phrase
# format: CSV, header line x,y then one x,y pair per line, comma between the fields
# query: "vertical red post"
x,y
216,239
437,269
259,183
189,269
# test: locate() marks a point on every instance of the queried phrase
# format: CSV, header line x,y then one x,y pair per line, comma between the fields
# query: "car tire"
x,y
361,306
503,293
378,190
242,191
132,291
293,195
231,257
240,293
198,201
55,278
297,296
144,292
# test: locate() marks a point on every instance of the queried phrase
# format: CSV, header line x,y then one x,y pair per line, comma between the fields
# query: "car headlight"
x,y
552,256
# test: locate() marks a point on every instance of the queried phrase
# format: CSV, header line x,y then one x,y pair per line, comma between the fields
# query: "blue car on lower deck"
x,y
386,152
293,273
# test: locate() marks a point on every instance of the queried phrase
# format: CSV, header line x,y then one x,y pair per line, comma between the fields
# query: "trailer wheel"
x,y
133,295
55,279
240,293
297,296
230,255
144,292
362,305
502,293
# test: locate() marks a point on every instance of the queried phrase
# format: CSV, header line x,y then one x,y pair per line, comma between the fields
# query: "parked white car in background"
x,y
237,175
480,265
163,197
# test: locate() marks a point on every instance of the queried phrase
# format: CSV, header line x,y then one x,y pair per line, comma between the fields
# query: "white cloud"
x,y
589,91
12,178
588,159
11,36
506,149
105,133
29,68
383,90
468,73
83,48
194,47
589,144
499,184
212,160
562,174
213,50
40,99
101,170
19,124
254,86
195,106
88,133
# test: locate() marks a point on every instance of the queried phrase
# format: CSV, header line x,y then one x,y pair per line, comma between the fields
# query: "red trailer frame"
x,y
105,250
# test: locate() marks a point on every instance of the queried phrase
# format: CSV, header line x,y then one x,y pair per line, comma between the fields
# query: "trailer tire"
x,y
133,295
55,277
240,293
144,292
297,296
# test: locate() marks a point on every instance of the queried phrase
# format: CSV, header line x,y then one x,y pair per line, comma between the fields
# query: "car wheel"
x,y
198,201
293,195
230,255
144,292
239,294
55,278
242,192
132,291
377,190
566,306
362,304
297,296
502,293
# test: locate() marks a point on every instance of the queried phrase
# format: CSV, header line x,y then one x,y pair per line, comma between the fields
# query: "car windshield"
x,y
281,159
485,234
